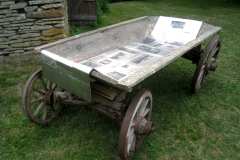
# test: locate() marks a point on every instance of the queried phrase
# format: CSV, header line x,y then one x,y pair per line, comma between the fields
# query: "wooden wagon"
x,y
106,67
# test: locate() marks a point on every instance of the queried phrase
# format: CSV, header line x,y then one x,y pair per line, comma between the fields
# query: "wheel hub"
x,y
48,97
213,65
143,126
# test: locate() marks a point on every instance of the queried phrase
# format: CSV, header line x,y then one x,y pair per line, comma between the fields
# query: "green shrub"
x,y
102,7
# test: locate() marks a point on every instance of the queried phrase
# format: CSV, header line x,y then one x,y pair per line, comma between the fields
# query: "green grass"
x,y
201,126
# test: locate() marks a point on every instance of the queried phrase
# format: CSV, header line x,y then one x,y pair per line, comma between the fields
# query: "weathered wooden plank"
x,y
105,91
86,34
105,102
70,79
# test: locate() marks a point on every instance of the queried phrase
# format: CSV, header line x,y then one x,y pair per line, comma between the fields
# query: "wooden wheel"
x,y
136,123
39,101
207,62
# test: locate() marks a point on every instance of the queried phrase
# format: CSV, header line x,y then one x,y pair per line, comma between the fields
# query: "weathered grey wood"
x,y
86,34
206,32
91,44
70,79
106,102
107,92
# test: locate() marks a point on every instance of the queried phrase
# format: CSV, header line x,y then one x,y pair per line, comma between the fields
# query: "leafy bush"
x,y
102,6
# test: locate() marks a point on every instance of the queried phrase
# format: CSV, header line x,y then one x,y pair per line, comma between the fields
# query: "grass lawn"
x,y
202,126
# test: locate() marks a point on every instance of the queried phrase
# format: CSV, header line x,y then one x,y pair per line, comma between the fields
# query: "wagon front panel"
x,y
68,78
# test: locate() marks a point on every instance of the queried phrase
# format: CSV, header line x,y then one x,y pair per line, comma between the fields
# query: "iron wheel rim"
x,y
137,107
39,101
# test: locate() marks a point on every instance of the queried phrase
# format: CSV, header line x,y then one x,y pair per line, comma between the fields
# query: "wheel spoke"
x,y
130,137
143,106
45,113
214,51
213,60
133,144
39,84
53,86
36,94
49,84
147,110
40,92
215,54
200,78
128,147
212,54
37,100
40,106
43,83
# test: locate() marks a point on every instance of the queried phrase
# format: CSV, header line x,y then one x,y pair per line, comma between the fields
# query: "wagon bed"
x,y
72,51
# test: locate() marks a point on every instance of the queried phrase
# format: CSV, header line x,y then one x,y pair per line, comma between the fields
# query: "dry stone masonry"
x,y
25,24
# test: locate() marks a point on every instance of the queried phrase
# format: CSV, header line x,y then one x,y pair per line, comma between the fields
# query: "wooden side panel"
x,y
70,79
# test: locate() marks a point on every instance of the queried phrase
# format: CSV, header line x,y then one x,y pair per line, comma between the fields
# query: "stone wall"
x,y
25,24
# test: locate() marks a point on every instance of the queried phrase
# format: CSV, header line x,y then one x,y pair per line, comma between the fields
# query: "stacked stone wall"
x,y
25,24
